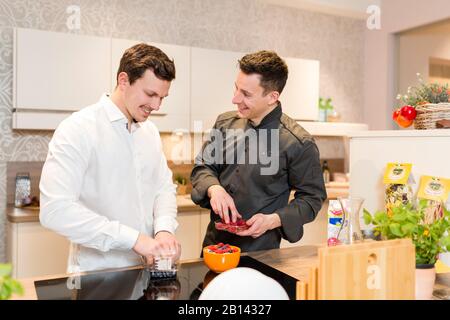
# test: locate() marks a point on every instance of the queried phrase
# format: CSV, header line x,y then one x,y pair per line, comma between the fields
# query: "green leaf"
x,y
367,217
445,241
381,217
407,228
16,287
395,229
5,270
399,216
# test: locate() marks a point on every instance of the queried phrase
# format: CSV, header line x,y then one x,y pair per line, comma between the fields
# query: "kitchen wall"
x,y
416,47
235,25
381,49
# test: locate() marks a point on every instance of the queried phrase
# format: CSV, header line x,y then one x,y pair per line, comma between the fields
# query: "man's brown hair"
x,y
272,69
137,59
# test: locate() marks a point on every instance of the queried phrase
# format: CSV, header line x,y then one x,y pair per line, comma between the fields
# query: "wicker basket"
x,y
428,114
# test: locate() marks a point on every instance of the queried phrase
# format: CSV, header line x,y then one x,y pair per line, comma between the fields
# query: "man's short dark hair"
x,y
273,69
137,59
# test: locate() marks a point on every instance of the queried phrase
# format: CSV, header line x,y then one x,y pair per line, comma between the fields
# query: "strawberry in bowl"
x,y
221,257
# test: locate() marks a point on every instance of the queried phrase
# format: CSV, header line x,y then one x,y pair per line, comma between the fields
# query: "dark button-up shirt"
x,y
261,186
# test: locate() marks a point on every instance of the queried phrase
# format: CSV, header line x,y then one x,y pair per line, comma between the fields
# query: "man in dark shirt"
x,y
253,159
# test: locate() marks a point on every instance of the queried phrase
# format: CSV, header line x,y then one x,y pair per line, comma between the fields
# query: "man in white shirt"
x,y
105,184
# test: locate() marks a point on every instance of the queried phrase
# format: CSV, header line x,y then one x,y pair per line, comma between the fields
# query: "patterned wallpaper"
x,y
235,25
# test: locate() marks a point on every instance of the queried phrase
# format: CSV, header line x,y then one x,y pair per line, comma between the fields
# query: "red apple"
x,y
396,114
408,112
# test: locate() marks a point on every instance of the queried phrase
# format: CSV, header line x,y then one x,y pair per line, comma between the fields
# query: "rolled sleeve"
x,y
205,174
305,176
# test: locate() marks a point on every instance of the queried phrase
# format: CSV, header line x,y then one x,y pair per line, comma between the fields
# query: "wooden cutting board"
x,y
374,270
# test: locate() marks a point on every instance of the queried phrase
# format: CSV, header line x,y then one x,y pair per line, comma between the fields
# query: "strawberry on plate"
x,y
233,227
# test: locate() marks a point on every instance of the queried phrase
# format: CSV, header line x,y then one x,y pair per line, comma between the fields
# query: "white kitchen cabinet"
x,y
56,74
174,112
191,231
301,94
204,222
214,74
212,84
314,233
188,234
35,251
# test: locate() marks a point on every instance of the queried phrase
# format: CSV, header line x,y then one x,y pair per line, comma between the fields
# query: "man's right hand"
x,y
147,247
222,204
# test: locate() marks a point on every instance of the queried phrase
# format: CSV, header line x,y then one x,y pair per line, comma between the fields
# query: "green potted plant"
x,y
8,286
423,105
430,237
181,183
325,107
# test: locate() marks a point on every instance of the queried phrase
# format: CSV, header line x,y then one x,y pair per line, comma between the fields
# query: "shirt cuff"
x,y
127,238
165,224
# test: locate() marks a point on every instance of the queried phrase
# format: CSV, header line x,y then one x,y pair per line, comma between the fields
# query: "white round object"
x,y
243,284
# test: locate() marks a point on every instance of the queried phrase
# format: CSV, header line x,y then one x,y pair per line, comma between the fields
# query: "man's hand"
x,y
260,223
222,204
170,244
161,245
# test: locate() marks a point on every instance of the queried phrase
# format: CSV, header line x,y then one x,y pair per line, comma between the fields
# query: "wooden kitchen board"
x,y
375,270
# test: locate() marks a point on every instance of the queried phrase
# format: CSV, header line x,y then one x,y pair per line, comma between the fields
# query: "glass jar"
x,y
350,231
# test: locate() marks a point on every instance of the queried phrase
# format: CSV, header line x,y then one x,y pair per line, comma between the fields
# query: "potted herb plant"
x,y
428,235
181,183
8,286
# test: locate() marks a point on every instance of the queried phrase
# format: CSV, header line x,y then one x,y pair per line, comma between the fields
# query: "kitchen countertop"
x,y
184,203
19,215
299,262
294,261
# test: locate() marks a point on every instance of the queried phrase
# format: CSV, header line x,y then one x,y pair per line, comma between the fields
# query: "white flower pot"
x,y
425,279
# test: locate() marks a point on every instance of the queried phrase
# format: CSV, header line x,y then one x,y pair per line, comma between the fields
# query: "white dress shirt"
x,y
102,185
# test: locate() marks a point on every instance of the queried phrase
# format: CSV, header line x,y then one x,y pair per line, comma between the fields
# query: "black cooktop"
x,y
137,284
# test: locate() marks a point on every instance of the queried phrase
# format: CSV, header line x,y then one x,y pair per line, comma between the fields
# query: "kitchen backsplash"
x,y
233,25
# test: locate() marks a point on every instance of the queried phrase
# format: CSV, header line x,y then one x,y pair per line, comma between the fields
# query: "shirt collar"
x,y
112,111
115,114
274,115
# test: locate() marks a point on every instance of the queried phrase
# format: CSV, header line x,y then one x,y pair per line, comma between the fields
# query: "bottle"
x,y
326,172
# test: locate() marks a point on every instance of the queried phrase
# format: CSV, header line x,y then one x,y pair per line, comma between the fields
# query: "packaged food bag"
x,y
335,220
435,190
398,180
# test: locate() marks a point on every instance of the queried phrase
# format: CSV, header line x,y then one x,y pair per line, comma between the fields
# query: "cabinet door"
x,y
59,71
314,233
213,76
40,251
188,234
205,218
174,111
301,94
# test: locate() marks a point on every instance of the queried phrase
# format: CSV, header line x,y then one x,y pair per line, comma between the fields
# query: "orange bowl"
x,y
220,262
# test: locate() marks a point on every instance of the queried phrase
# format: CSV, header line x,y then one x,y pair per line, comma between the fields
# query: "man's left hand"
x,y
259,224
170,243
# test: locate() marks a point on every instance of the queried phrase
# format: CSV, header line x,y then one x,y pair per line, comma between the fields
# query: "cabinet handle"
x,y
44,110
